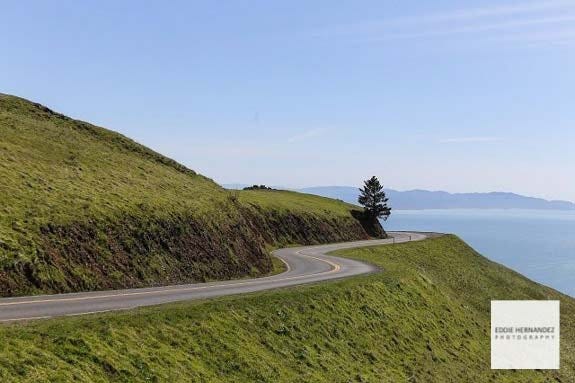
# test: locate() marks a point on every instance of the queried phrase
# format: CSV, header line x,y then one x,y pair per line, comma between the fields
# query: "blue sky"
x,y
457,96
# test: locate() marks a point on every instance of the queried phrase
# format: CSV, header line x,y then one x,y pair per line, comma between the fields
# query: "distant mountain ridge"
x,y
425,199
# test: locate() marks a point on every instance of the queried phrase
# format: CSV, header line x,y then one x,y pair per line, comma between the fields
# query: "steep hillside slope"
x,y
85,208
425,318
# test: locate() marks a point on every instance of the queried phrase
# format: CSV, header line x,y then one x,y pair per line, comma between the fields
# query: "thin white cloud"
x,y
484,27
453,16
469,139
311,133
493,11
540,16
559,35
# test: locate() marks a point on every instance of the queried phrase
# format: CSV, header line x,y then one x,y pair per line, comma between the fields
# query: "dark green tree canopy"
x,y
373,199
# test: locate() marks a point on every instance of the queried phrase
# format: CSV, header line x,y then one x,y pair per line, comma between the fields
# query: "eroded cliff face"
x,y
134,251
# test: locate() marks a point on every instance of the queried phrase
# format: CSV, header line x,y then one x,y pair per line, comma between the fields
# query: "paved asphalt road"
x,y
304,265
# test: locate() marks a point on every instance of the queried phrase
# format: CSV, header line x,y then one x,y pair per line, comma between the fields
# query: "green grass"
x,y
55,170
424,319
278,266
84,208
281,200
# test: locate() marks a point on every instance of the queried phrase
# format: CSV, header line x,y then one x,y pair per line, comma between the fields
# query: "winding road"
x,y
304,265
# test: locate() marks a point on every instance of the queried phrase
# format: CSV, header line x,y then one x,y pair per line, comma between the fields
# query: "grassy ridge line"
x,y
13,104
424,319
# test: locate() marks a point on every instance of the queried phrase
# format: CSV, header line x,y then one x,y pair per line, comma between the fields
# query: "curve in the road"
x,y
304,265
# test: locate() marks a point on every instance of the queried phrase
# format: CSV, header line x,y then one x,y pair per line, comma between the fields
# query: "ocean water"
x,y
539,244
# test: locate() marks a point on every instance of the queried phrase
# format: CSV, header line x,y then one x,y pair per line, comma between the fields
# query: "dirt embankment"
x,y
142,251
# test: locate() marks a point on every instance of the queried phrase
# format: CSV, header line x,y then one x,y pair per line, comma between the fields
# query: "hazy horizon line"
x,y
238,184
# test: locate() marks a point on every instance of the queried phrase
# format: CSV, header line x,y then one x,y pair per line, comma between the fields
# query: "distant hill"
x,y
85,208
424,199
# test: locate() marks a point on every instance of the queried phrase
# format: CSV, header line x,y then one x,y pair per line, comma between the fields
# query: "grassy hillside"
x,y
424,319
85,208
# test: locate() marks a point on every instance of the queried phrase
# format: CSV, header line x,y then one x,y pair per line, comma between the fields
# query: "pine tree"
x,y
373,199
